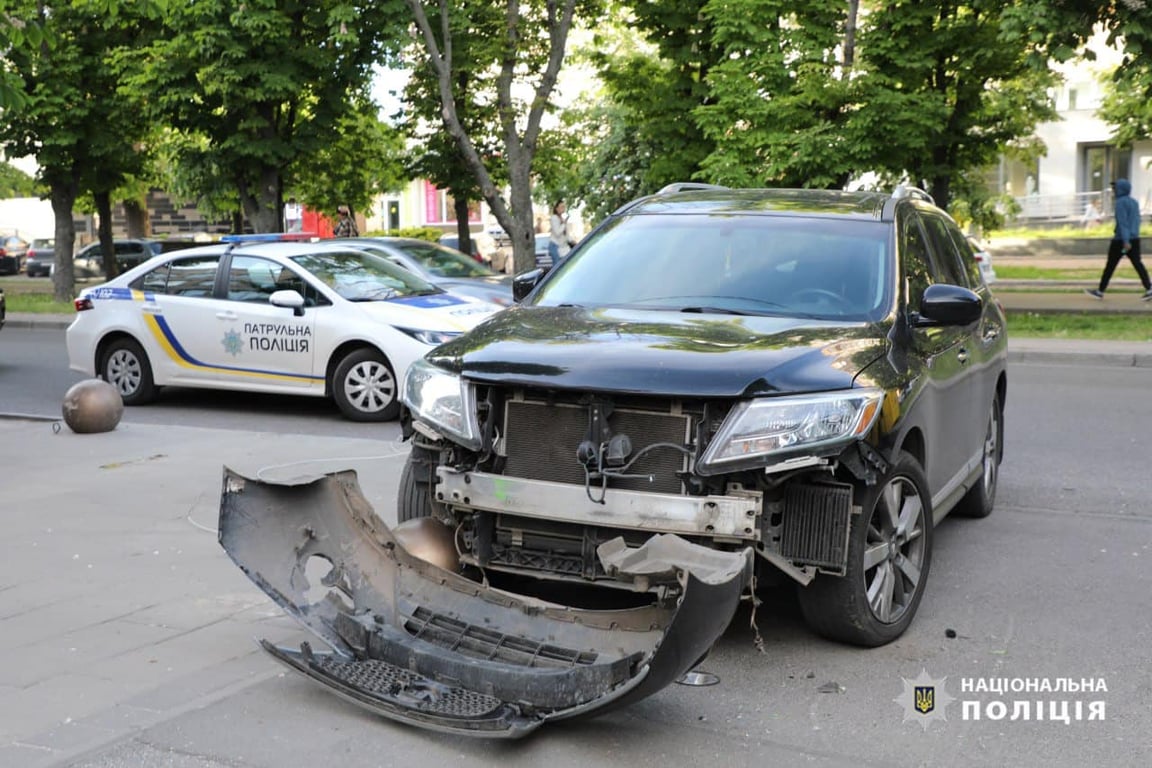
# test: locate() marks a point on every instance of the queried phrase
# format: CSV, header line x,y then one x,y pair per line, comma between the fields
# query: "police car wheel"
x,y
365,388
125,366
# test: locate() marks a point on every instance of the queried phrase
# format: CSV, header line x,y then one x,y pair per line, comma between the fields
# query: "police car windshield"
x,y
359,276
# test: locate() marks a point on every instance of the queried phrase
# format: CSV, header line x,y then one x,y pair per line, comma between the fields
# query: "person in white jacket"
x,y
559,241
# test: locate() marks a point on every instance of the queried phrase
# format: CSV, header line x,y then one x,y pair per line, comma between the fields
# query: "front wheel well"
x,y
913,445
339,354
107,341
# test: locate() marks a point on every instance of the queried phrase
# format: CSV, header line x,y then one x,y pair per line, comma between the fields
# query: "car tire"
x,y
126,367
981,498
365,387
414,498
889,556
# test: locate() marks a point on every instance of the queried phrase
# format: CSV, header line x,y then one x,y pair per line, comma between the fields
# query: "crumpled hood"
x,y
662,353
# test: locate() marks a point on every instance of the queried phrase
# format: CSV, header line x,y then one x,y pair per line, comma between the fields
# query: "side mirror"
x,y
290,299
523,283
948,305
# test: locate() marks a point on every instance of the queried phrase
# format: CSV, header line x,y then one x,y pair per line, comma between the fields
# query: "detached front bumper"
x,y
426,646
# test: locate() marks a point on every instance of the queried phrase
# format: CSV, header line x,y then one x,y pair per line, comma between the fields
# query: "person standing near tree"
x,y
559,240
346,226
1125,241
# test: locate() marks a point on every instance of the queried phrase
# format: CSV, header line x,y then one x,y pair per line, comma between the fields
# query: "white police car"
x,y
294,318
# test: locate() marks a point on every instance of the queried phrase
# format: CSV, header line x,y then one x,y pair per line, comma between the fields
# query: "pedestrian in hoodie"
x,y
1125,241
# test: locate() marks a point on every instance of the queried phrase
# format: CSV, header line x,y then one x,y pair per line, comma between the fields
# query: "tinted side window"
x,y
192,276
155,281
914,256
967,257
947,259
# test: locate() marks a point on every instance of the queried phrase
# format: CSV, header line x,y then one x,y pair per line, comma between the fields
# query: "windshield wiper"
x,y
717,311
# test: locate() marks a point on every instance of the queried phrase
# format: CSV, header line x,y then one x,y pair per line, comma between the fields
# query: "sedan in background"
x,y
444,267
319,319
40,257
12,251
89,262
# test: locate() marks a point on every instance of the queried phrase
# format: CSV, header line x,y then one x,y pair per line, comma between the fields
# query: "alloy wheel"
x,y
894,550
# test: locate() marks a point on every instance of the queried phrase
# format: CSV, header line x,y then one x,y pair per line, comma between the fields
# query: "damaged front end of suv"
x,y
719,390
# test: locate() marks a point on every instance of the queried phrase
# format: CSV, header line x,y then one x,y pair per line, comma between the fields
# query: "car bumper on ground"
x,y
424,645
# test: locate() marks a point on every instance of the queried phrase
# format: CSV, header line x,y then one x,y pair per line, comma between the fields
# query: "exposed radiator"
x,y
541,441
816,519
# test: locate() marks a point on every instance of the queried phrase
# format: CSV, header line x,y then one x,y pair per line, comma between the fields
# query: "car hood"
x,y
662,353
436,312
495,289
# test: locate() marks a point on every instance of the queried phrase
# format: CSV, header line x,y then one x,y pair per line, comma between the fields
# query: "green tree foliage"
x,y
951,101
474,30
260,88
779,99
83,134
811,93
530,48
363,159
638,134
15,183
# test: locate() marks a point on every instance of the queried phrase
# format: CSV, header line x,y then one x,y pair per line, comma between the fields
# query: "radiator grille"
x,y
816,519
541,441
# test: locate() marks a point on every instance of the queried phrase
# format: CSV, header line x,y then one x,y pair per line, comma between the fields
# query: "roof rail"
x,y
687,186
906,190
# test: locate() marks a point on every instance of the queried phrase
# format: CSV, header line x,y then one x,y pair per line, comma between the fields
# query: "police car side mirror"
x,y
288,298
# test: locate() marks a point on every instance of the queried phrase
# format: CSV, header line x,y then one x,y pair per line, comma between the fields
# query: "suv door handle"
x,y
226,315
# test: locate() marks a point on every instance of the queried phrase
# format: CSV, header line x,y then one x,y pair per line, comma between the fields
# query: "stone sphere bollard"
x,y
92,405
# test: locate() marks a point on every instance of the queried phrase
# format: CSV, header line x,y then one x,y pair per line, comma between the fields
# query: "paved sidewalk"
x,y
118,608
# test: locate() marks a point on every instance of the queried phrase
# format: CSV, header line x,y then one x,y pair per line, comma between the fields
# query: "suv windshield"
x,y
821,268
360,276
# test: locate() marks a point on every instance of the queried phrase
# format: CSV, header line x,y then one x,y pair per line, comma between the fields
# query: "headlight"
x,y
443,401
765,426
432,338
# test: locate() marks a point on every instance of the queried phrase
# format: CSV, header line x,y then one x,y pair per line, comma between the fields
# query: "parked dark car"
x,y
40,257
719,391
89,262
12,250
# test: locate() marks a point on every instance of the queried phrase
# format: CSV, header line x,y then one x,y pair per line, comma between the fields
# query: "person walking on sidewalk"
x,y
1125,241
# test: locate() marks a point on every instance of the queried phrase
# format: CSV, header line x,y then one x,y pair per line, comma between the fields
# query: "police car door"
x,y
268,347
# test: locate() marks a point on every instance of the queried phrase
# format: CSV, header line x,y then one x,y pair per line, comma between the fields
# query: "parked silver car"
x,y
444,267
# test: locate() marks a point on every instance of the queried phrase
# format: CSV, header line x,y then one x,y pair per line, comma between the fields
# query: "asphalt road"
x,y
34,378
1055,584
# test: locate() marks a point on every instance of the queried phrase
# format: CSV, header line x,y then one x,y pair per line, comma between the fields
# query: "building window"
x,y
1071,99
1102,164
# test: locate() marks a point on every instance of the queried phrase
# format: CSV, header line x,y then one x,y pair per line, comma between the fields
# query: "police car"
x,y
317,319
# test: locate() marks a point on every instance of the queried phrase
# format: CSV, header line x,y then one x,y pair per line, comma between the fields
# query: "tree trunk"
x,y
63,196
104,233
850,35
261,203
136,216
523,219
460,206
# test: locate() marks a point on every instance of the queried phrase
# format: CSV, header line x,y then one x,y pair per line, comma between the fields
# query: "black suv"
x,y
717,391
818,375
